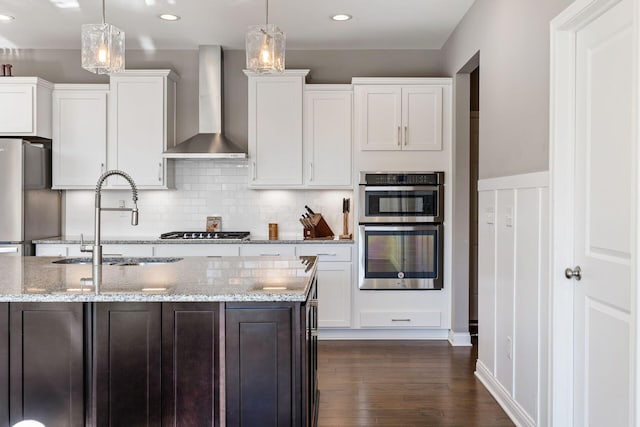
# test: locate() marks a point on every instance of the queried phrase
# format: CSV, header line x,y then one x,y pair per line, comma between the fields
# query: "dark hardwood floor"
x,y
402,383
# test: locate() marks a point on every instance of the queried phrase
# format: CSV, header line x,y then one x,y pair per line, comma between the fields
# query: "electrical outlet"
x,y
509,348
509,217
488,215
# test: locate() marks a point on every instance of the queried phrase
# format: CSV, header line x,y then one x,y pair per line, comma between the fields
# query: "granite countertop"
x,y
237,279
75,240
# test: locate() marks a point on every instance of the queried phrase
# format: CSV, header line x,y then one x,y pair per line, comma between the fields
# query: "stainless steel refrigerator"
x,y
29,208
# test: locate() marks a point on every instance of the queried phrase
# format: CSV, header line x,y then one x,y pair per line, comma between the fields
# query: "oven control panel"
x,y
401,178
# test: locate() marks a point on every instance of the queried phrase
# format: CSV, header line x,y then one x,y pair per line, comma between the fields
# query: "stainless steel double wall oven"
x,y
401,231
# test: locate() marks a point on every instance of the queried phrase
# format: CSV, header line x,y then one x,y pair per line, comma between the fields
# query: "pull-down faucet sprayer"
x,y
96,248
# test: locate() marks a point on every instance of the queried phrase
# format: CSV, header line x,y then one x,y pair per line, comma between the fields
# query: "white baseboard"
x,y
460,339
518,415
383,334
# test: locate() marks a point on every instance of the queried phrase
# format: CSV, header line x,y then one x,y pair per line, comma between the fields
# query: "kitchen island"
x,y
199,341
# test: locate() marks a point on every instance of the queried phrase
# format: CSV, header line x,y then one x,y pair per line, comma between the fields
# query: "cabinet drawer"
x,y
400,319
52,250
197,250
325,252
267,250
126,250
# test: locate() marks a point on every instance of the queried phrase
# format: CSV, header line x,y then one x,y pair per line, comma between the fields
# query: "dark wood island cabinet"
x,y
160,363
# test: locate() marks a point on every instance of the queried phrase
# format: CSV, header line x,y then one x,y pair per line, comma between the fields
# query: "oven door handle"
x,y
403,188
401,227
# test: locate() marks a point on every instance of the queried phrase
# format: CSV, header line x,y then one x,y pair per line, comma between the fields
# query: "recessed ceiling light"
x,y
6,18
169,17
341,17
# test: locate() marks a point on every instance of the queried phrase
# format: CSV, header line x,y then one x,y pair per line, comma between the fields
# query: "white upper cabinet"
x,y
398,114
275,129
79,135
25,107
141,126
327,136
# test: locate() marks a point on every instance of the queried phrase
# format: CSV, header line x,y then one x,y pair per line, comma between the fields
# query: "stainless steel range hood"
x,y
210,142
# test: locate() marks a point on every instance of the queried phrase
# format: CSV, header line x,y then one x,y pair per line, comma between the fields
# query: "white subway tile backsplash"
x,y
204,188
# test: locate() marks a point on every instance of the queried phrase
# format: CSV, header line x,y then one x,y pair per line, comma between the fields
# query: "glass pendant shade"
x,y
102,48
265,46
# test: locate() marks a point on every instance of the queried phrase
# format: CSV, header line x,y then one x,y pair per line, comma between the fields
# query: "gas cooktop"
x,y
204,235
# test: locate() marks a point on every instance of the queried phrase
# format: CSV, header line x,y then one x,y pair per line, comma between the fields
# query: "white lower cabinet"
x,y
334,283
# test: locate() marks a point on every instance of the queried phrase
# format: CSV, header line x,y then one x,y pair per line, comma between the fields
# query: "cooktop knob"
x,y
185,236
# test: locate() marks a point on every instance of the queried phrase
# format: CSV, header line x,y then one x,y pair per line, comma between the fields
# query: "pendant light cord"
x,y
103,8
267,13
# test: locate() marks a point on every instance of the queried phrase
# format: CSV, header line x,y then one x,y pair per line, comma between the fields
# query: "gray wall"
x,y
327,66
513,40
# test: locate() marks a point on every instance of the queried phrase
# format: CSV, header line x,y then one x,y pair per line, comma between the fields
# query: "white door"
x,y
422,118
327,138
379,112
79,137
594,225
275,130
137,130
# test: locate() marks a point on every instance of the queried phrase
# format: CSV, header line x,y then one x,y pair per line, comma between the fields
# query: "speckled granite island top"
x,y
75,240
231,279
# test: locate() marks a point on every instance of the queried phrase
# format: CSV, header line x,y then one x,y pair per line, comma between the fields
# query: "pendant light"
x,y
265,47
102,47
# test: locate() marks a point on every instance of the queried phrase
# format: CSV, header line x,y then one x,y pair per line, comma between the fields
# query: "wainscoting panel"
x,y
505,220
486,279
513,293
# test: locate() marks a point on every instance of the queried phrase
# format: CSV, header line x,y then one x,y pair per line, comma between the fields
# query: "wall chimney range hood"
x,y
210,142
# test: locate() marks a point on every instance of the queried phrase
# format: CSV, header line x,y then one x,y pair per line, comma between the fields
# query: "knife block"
x,y
319,229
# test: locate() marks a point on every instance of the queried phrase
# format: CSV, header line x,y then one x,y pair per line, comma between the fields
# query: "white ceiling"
x,y
376,24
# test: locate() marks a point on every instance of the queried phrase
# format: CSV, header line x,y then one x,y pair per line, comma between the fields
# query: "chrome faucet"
x,y
96,248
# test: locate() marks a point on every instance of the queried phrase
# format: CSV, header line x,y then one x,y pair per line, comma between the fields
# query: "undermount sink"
x,y
119,261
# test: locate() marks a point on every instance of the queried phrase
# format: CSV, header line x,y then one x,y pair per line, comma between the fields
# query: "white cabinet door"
x,y
327,138
79,135
399,114
141,126
334,294
16,107
379,113
275,129
334,283
422,118
25,107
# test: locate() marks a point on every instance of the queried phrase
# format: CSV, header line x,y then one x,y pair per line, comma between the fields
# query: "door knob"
x,y
573,273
